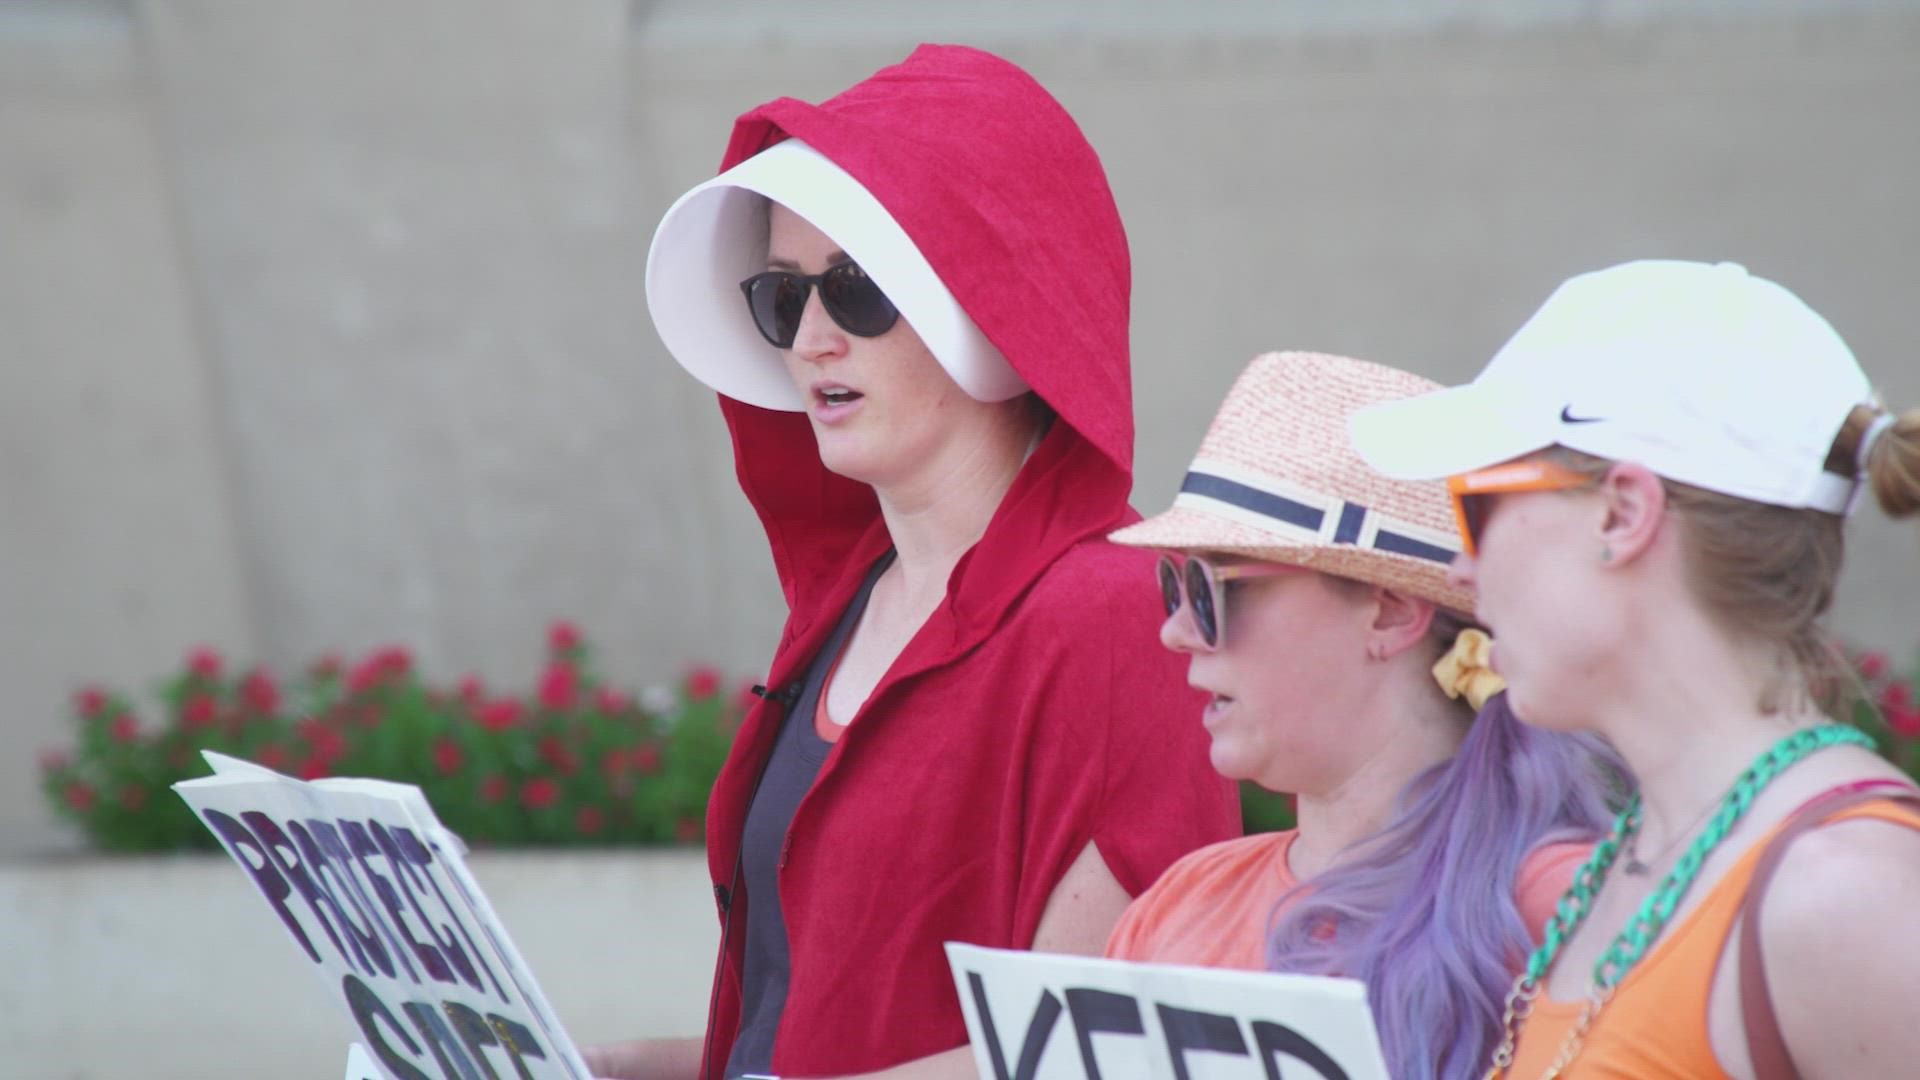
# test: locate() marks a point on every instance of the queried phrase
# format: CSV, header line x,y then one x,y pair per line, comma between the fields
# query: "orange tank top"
x,y
1656,1025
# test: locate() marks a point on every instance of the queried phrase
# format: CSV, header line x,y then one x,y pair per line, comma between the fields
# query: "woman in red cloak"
x,y
972,733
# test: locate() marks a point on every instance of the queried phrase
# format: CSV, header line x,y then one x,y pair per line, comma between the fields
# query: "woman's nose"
x,y
1178,633
818,336
1464,571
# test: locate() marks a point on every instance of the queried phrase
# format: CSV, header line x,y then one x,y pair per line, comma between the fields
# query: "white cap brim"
x,y
1448,432
714,237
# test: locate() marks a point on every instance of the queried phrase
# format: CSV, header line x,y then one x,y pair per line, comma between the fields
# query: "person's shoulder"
x,y
1544,877
1094,614
1098,561
1837,910
1553,865
1840,869
1224,859
1199,887
1092,580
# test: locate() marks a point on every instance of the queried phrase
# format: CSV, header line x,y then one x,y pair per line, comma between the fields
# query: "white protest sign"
x,y
374,893
360,1064
1043,1016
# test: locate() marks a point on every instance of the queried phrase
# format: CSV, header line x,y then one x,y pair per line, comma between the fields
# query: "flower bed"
x,y
574,762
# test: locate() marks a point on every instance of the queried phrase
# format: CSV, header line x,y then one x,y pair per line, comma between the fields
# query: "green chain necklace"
x,y
1644,927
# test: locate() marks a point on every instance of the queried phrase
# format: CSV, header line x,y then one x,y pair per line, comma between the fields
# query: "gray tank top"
x,y
790,772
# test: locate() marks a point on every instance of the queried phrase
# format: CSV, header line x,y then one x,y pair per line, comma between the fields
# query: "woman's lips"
x,y
834,403
1217,706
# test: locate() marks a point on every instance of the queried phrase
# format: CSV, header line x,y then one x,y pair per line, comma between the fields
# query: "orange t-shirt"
x,y
1211,909
1656,1025
823,723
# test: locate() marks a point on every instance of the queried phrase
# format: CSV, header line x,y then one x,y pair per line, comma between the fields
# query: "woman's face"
x,y
1554,624
1290,670
881,407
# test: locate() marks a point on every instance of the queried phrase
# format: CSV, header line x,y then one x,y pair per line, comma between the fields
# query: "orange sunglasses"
x,y
1470,491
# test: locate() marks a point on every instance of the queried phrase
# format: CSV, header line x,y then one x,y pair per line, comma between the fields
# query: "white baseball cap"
x,y
1702,372
715,236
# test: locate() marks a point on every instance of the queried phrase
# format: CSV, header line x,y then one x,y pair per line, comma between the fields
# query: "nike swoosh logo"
x,y
1567,417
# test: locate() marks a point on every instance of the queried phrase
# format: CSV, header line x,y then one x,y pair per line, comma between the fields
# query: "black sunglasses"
x,y
1201,586
777,298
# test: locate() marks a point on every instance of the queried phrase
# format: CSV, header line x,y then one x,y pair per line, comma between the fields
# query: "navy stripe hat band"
x,y
1276,479
1354,523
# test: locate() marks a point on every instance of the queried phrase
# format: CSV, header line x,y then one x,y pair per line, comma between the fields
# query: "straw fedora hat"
x,y
1277,479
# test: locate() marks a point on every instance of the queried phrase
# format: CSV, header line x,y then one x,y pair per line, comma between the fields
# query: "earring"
x,y
1606,554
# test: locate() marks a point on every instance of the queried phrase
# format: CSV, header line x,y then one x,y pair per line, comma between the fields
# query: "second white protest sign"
x,y
1044,1016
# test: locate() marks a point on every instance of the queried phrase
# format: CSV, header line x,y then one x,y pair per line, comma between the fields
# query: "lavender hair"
x,y
1423,911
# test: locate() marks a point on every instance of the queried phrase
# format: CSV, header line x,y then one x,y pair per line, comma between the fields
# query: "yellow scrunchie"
x,y
1464,671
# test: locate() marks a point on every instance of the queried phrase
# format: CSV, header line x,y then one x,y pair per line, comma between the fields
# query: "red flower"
x,y
614,763
472,691
589,820
53,761
273,756
314,767
563,637
78,795
259,692
1872,665
198,712
1897,696
646,759
559,686
447,756
687,830
493,789
702,683
204,663
609,700
499,714
559,755
133,796
391,662
539,793
325,740
90,701
365,676
327,667
1904,722
124,728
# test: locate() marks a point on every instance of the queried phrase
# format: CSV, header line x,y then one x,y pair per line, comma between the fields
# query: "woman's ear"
x,y
1399,622
1635,504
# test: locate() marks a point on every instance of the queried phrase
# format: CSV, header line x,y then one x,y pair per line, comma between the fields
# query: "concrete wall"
x,y
323,324
172,968
118,540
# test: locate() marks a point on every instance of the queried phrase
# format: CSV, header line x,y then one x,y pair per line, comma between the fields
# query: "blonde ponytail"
x,y
1892,461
